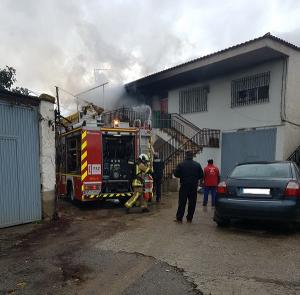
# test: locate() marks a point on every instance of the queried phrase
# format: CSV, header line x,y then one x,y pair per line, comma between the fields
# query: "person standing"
x,y
211,180
158,172
189,172
142,174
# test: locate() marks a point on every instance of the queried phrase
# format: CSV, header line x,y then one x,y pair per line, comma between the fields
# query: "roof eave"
x,y
273,43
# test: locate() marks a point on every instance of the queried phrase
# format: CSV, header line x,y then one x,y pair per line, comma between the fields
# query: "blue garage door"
x,y
20,198
246,146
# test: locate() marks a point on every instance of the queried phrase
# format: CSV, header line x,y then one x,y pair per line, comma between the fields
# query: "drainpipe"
x,y
283,90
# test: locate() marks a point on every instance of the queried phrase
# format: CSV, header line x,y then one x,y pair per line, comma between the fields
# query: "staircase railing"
x,y
172,153
169,147
175,123
295,156
188,128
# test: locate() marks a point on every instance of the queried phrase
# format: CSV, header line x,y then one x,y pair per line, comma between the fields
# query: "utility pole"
x,y
59,151
57,99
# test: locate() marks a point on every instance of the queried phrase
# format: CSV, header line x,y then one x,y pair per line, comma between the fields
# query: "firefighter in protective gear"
x,y
142,184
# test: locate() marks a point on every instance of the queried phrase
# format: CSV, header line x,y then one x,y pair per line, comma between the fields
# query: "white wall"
x,y
291,139
155,103
291,132
47,146
209,153
47,158
220,115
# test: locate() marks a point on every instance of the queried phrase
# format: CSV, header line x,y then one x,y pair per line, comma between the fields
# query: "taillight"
x,y
91,187
222,188
292,189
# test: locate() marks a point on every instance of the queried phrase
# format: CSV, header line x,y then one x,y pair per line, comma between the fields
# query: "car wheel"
x,y
291,227
123,201
223,222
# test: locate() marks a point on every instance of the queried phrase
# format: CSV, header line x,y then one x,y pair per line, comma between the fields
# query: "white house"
x,y
251,92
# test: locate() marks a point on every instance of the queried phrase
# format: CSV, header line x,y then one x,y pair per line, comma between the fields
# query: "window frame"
x,y
255,90
73,154
193,100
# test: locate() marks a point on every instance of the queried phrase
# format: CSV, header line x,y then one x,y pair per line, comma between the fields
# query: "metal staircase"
x,y
295,156
184,136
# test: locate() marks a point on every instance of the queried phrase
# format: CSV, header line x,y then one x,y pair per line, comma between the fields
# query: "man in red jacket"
x,y
211,180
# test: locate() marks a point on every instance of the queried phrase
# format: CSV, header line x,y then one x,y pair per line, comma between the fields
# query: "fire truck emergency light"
x,y
116,123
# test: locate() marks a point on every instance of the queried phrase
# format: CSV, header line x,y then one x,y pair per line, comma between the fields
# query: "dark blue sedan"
x,y
260,191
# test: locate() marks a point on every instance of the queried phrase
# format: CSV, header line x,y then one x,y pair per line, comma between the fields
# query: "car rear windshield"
x,y
273,170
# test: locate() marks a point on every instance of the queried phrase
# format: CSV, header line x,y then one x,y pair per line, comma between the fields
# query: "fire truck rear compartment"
x,y
118,163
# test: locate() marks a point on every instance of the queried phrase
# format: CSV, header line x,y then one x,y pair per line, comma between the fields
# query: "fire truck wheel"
x,y
70,192
123,201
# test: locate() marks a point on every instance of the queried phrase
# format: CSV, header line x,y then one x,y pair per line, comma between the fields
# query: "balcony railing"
x,y
124,114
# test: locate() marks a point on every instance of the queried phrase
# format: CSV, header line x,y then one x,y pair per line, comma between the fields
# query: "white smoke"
x,y
143,110
61,43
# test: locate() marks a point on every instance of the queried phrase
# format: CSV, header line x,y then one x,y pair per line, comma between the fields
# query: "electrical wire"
x,y
292,123
76,95
66,91
86,91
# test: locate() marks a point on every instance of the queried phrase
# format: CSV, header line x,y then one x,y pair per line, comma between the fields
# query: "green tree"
x,y
7,80
7,77
21,90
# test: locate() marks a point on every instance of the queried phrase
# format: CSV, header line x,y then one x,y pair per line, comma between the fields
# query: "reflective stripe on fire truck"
x,y
83,157
83,135
83,166
83,146
113,195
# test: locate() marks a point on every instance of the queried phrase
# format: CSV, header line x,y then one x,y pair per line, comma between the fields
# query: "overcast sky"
x,y
62,42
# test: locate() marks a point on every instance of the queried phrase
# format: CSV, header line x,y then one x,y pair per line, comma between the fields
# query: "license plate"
x,y
92,192
256,191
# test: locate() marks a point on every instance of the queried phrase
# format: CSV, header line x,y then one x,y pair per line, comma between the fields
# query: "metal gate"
x,y
246,146
20,197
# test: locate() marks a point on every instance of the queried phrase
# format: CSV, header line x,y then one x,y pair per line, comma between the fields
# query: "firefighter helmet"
x,y
144,158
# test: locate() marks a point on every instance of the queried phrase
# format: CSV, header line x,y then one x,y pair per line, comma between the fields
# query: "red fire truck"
x,y
97,162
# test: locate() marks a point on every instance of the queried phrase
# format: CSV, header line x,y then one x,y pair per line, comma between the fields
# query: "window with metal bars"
x,y
193,100
250,90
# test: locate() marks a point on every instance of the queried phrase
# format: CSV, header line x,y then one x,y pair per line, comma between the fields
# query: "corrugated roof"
x,y
266,36
18,98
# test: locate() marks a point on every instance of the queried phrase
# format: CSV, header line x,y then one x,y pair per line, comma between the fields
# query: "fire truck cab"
x,y
96,162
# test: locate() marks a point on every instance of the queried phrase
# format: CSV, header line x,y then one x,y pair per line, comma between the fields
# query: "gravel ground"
x,y
99,249
61,258
247,258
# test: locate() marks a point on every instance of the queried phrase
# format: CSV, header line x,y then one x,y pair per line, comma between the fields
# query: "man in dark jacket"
x,y
189,172
158,171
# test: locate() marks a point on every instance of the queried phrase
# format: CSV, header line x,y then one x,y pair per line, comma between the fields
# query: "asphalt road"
x,y
103,250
